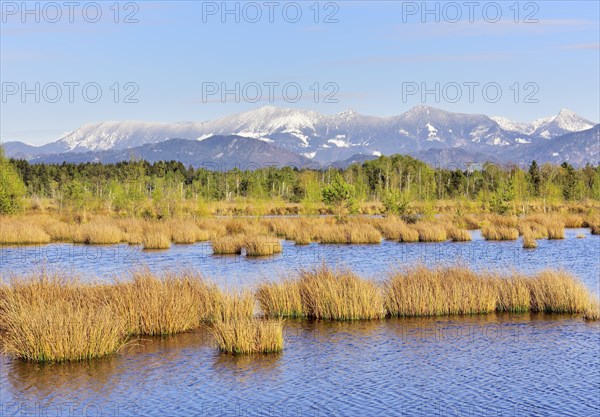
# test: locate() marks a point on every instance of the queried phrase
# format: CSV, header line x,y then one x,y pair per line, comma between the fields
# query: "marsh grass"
x,y
15,232
248,336
228,245
558,292
338,295
420,291
164,305
456,234
156,237
431,232
100,232
261,245
513,293
50,319
529,241
280,299
492,232
352,233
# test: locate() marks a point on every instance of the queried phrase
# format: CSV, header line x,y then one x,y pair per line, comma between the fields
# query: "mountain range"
x,y
271,135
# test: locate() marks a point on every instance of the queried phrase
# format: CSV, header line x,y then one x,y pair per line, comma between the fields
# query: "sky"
x,y
65,64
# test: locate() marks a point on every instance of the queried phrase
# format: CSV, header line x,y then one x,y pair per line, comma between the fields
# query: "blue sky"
x,y
369,59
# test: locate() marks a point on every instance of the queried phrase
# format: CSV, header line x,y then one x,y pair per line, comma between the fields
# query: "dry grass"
x,y
558,292
420,291
556,228
261,245
49,319
186,232
280,299
228,245
529,241
156,236
457,235
491,232
14,232
164,305
592,313
339,295
236,306
353,233
431,232
248,336
513,293
100,232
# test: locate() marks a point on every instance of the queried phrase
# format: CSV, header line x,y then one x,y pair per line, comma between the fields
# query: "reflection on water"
x,y
579,256
497,364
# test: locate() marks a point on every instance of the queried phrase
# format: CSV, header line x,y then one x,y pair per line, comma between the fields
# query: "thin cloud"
x,y
591,46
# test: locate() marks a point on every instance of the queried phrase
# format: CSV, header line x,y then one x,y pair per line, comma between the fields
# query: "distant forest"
x,y
126,187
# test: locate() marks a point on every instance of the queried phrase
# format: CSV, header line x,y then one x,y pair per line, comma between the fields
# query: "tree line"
x,y
396,181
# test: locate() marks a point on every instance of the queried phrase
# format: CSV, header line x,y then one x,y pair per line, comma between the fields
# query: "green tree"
x,y
12,188
338,195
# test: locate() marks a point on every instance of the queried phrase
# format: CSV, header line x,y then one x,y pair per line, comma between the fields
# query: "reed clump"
x,y
339,295
14,232
280,299
354,233
420,291
529,241
228,245
248,336
100,232
431,232
592,313
156,237
50,319
558,292
457,235
492,232
164,305
261,245
186,232
513,294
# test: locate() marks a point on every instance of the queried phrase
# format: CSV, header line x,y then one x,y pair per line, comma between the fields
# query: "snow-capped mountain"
x,y
327,138
564,122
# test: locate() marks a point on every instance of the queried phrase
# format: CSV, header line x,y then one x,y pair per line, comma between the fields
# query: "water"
x,y
509,365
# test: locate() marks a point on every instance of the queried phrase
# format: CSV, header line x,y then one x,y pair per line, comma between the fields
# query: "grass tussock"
x,y
558,292
492,232
49,319
457,235
14,232
339,295
261,245
512,291
248,336
228,245
431,232
529,241
155,237
280,299
164,305
592,313
353,233
100,232
420,291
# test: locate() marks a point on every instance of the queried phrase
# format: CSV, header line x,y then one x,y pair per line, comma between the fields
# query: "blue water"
x,y
489,365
